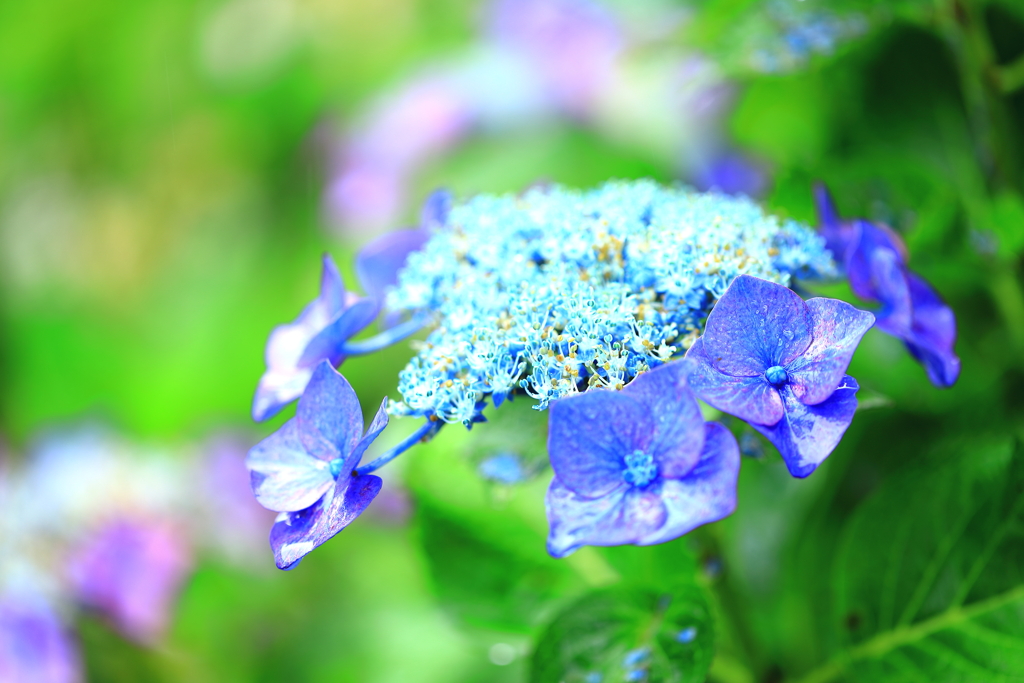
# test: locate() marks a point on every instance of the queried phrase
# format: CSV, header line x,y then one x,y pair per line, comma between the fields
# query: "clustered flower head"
x,y
587,302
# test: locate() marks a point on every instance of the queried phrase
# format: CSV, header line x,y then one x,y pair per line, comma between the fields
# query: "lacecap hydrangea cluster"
x,y
556,291
617,308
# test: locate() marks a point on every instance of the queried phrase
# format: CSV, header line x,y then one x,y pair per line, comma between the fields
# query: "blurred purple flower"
x,y
234,516
34,645
132,570
572,45
875,260
319,333
426,117
732,173
636,466
779,363
305,470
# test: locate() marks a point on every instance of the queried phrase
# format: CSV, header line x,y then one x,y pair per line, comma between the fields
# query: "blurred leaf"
x,y
613,633
485,584
929,578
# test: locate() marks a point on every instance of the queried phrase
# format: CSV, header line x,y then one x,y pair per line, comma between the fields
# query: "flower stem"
x,y
424,433
385,338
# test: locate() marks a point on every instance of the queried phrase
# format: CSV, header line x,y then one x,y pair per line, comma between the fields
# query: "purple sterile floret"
x,y
131,570
875,260
778,362
319,333
305,470
636,466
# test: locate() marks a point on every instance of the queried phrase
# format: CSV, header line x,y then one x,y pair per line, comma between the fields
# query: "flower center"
x,y
776,375
335,466
640,469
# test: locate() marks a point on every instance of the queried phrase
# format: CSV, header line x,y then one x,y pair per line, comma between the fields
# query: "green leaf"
x,y
612,633
930,579
485,584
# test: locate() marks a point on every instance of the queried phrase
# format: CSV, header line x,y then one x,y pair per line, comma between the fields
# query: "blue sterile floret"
x,y
636,466
555,291
778,362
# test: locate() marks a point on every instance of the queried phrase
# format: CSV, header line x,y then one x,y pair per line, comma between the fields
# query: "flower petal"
x,y
283,475
435,210
590,434
276,390
287,354
332,287
838,328
329,343
676,422
329,418
295,534
707,493
806,435
933,333
838,234
378,263
755,325
377,425
749,398
623,516
870,280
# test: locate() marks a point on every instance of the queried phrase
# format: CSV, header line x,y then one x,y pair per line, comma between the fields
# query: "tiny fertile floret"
x,y
556,291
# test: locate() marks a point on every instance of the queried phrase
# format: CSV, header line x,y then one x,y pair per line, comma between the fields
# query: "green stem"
x,y
1011,76
982,86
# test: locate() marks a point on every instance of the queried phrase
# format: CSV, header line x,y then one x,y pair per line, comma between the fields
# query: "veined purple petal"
x,y
295,534
377,425
623,516
590,434
675,419
329,418
838,328
328,343
860,269
132,570
933,333
707,493
756,325
806,435
749,398
284,476
378,263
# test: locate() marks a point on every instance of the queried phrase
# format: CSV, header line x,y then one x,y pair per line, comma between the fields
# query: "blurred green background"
x,y
162,175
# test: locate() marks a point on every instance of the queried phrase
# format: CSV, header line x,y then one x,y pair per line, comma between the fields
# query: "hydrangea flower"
x,y
875,260
306,469
636,466
131,570
555,291
35,647
320,332
778,362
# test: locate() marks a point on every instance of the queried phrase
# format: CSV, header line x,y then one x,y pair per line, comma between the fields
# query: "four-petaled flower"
x,y
319,333
778,362
636,466
306,469
875,260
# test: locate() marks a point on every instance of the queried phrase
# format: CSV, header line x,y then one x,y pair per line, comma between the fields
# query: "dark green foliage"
x,y
594,635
